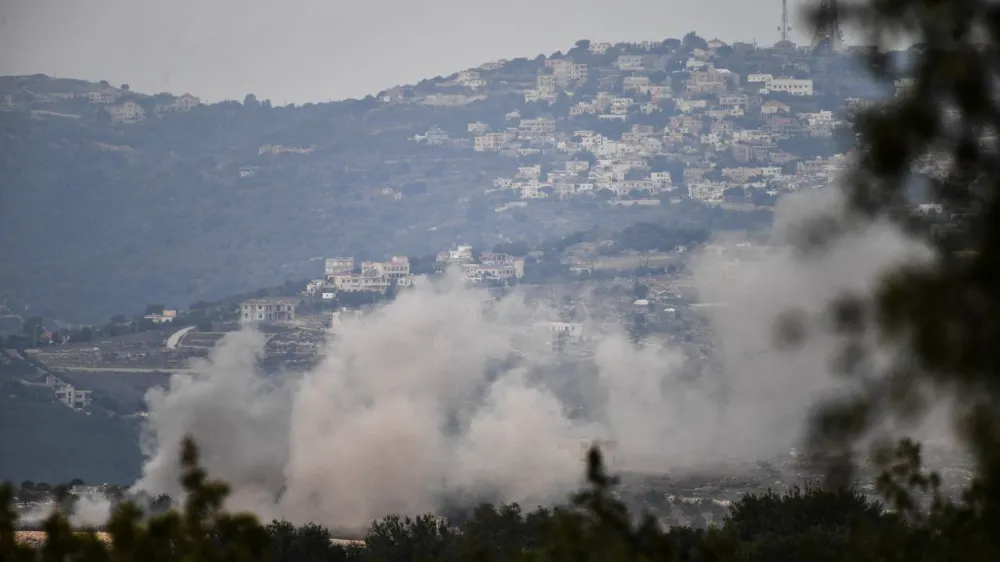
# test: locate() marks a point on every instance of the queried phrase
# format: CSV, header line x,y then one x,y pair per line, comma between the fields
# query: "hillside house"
x,y
337,266
774,107
478,128
637,84
67,394
793,86
489,142
470,79
759,78
106,96
397,267
259,311
710,80
128,112
493,65
537,126
459,254
165,317
630,62
179,105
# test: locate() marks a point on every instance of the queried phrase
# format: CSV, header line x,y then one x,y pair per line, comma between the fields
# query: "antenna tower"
x,y
828,37
784,29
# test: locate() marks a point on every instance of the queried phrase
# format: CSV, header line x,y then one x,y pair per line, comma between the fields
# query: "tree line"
x,y
807,524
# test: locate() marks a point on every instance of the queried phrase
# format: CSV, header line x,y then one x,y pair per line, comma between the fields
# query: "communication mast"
x,y
784,29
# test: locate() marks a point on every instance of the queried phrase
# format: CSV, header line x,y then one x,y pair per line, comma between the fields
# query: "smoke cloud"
x,y
90,510
421,402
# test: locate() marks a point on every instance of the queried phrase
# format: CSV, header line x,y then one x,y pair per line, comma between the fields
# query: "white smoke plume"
x,y
419,403
90,510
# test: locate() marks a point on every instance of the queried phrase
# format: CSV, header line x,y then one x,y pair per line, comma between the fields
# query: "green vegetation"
x,y
801,525
42,439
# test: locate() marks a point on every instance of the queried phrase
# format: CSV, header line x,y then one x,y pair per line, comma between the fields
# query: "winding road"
x,y
175,338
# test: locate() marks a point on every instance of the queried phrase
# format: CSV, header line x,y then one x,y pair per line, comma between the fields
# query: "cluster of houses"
x,y
706,123
722,136
121,104
342,275
488,268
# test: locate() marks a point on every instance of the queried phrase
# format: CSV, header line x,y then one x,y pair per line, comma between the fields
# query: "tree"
x,y
692,41
640,291
723,53
938,314
203,531
32,329
154,309
402,538
309,542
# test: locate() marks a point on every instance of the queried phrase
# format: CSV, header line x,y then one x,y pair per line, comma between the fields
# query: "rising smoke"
x,y
408,409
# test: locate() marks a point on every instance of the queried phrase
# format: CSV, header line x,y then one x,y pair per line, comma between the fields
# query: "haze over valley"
x,y
441,295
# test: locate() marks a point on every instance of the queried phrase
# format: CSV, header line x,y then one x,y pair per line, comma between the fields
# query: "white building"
x,y
67,394
629,62
337,266
489,142
396,268
638,84
537,126
793,86
478,128
459,254
258,311
128,112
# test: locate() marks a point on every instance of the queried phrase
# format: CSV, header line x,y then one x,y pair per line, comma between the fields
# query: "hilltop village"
x,y
653,122
629,123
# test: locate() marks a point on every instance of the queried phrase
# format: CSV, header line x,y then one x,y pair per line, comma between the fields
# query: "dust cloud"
x,y
421,402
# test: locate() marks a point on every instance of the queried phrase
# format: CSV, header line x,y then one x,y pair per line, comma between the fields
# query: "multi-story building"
x,y
396,268
793,86
489,142
539,125
103,97
266,310
706,81
338,266
630,62
67,394
639,84
545,83
128,112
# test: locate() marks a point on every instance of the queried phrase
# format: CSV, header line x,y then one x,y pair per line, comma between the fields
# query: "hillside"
x,y
112,199
44,441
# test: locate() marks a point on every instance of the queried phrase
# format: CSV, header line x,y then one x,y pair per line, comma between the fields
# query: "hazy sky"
x,y
317,50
